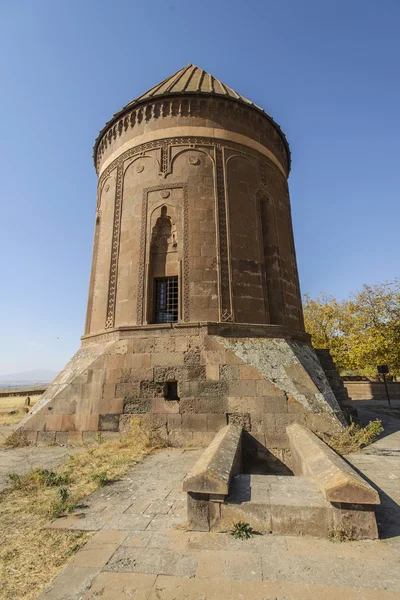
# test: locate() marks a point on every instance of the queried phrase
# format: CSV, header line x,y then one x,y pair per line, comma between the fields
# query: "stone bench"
x,y
352,498
207,483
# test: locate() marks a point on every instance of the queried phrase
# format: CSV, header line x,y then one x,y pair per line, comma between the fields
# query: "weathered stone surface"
x,y
213,471
336,479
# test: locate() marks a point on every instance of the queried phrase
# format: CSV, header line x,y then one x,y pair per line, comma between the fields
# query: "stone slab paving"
x,y
142,551
23,460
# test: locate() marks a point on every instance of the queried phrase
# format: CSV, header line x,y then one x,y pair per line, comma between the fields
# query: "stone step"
x,y
277,504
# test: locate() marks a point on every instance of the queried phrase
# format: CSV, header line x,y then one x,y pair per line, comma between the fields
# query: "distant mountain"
x,y
25,378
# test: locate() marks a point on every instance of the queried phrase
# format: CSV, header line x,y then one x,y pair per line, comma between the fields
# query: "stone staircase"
x,y
282,505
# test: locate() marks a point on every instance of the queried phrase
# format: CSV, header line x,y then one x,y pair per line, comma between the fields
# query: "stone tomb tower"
x,y
194,316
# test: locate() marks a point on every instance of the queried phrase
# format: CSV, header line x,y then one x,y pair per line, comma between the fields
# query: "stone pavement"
x,y
142,551
23,460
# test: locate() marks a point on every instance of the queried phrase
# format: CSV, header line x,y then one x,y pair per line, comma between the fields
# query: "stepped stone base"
x,y
260,377
292,506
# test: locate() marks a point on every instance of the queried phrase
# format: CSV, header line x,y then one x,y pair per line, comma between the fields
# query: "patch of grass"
x,y
242,530
30,556
12,408
51,478
101,478
341,535
16,439
355,438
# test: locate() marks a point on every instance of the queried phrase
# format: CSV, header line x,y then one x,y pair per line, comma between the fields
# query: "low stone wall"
x,y
352,499
208,482
325,496
370,390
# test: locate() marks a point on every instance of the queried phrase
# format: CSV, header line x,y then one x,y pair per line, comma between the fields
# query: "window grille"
x,y
166,300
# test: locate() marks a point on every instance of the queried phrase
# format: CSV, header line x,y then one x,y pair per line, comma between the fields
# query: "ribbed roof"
x,y
191,80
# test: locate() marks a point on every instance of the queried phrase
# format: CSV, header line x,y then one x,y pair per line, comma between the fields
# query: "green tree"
x,y
361,331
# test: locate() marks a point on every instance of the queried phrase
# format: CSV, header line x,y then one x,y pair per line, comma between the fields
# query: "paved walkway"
x,y
23,460
141,550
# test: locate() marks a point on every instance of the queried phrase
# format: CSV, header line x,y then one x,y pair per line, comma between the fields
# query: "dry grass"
x,y
12,408
355,438
31,557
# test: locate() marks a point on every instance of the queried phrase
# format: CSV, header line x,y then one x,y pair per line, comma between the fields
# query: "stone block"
x,y
53,422
164,344
142,345
132,405
180,438
263,422
69,423
113,376
181,344
108,423
62,438
294,406
240,420
275,404
243,388
229,373
137,361
109,391
167,359
244,404
249,372
99,375
160,405
46,437
151,389
205,404
197,512
263,387
87,422
336,479
212,388
356,521
277,441
232,359
202,438
174,422
108,406
212,372
216,421
283,420
323,422
213,471
136,375
130,390
75,438
194,422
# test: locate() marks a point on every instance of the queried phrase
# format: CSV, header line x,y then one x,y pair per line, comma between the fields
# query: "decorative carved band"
x,y
112,286
260,125
225,296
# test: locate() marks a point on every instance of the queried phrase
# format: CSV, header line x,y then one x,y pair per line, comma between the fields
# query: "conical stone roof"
x,y
190,80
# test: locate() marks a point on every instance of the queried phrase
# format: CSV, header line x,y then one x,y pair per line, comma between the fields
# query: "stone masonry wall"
x,y
263,384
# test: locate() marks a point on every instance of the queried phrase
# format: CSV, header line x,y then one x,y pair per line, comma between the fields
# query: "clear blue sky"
x,y
328,72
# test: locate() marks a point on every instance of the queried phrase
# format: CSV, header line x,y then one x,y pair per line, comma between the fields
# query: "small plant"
x,y
16,439
242,530
340,535
50,478
98,438
355,438
100,478
15,479
64,494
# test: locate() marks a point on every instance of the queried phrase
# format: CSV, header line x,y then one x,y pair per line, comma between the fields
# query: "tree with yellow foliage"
x,y
362,331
